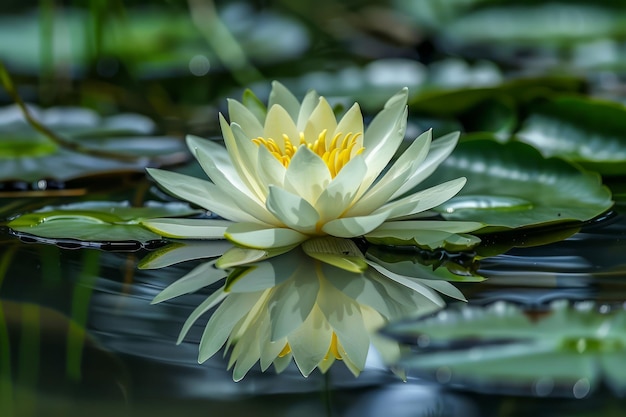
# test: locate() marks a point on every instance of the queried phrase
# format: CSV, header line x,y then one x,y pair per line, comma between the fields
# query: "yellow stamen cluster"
x,y
333,349
336,155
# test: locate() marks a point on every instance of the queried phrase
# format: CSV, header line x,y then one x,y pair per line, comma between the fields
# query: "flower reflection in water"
x,y
294,306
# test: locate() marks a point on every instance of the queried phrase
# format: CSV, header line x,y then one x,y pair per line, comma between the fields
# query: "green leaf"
x,y
467,101
539,351
587,131
96,221
511,185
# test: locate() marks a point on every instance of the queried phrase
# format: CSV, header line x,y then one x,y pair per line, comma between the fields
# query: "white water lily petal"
x,y
374,199
351,122
443,287
177,252
345,318
341,253
322,118
243,155
354,226
383,136
439,150
278,123
210,302
340,192
414,301
220,157
423,200
200,192
269,350
246,201
262,275
247,358
253,235
218,153
365,291
409,228
201,276
222,321
306,109
281,96
281,363
188,228
242,116
409,283
292,210
236,255
311,341
270,170
395,177
307,175
291,302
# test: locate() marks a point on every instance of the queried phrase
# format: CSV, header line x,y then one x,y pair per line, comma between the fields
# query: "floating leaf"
x,y
589,132
511,185
516,92
96,221
564,350
27,155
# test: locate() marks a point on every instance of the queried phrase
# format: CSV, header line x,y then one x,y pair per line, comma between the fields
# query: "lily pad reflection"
x,y
564,350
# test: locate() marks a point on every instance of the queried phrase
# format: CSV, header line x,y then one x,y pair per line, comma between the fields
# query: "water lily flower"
x,y
293,172
293,307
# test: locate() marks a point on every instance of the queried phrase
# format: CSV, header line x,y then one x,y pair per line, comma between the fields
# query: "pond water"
x,y
95,94
78,336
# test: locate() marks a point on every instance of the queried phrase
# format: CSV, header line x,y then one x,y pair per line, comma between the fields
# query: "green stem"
x,y
223,43
6,81
80,311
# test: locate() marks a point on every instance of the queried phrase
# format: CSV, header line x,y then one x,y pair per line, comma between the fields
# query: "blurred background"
x,y
175,60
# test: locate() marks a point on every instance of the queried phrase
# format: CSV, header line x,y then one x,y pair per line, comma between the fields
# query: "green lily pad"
x,y
511,185
545,24
96,221
589,132
513,93
563,350
27,155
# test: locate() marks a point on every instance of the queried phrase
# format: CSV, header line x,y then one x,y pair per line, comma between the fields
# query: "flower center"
x,y
335,154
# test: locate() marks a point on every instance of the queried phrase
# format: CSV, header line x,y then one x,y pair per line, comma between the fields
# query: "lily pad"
x,y
564,350
511,185
518,92
27,155
587,131
546,23
97,221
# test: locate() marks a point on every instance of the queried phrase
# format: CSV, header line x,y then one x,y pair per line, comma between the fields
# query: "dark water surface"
x,y
78,336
